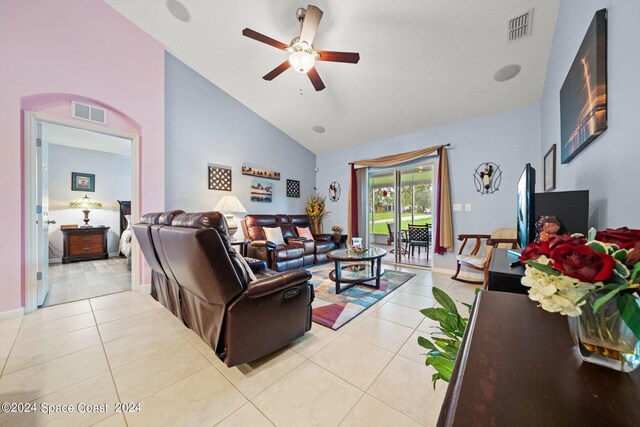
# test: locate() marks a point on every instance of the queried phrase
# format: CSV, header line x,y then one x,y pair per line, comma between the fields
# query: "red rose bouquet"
x,y
567,272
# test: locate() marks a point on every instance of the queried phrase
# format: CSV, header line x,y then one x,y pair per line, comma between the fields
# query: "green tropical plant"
x,y
445,343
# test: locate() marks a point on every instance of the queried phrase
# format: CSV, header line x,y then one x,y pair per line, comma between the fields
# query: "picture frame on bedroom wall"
x,y
81,181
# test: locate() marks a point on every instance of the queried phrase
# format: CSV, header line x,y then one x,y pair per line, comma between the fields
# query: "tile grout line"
x,y
4,365
248,402
175,327
104,351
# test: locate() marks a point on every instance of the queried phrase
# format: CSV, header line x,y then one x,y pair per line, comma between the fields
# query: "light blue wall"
x,y
112,183
205,125
510,139
608,167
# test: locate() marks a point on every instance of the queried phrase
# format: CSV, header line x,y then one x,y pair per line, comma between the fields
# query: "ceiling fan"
x,y
302,55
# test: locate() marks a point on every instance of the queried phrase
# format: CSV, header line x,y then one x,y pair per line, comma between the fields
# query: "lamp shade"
x,y
85,203
230,204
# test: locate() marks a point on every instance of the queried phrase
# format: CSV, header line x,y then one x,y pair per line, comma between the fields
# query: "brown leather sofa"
x,y
297,251
198,275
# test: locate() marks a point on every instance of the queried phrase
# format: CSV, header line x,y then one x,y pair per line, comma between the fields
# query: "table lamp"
x,y
86,204
228,205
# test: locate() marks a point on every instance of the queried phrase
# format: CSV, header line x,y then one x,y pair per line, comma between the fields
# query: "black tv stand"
x,y
505,272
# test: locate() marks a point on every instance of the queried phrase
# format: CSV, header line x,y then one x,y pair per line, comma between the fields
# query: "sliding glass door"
x,y
400,213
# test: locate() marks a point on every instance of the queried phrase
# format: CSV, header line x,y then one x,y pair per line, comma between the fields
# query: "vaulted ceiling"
x,y
423,63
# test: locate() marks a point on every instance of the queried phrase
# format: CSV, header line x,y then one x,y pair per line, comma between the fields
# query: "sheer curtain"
x,y
358,193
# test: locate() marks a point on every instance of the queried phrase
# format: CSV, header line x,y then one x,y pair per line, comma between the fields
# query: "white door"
x,y
42,213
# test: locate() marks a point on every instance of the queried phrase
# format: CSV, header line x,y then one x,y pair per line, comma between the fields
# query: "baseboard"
x,y
55,261
12,313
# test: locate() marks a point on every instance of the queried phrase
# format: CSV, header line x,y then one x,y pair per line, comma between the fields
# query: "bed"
x,y
125,230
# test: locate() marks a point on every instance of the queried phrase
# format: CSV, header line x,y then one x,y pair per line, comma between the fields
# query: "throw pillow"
x,y
128,218
305,232
274,234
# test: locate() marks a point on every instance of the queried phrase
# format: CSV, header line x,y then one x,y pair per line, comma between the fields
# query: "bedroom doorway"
x,y
84,189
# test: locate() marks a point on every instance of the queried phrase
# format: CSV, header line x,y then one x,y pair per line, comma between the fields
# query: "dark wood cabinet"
x,y
502,276
518,366
84,244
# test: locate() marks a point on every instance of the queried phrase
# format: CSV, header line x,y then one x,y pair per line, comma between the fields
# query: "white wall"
x,y
510,139
205,125
113,182
608,167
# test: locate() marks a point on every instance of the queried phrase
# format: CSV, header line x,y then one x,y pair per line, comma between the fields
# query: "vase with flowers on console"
x,y
595,281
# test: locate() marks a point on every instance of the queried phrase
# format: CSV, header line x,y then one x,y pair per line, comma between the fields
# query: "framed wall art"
x,y
261,190
83,182
549,164
293,188
583,96
262,173
219,177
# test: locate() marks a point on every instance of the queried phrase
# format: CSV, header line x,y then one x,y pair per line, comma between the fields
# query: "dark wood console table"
x,y
518,366
84,244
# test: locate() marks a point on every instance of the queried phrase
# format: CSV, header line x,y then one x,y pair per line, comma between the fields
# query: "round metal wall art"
x,y
334,191
487,178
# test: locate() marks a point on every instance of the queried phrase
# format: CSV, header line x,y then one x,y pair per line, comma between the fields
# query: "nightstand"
x,y
84,244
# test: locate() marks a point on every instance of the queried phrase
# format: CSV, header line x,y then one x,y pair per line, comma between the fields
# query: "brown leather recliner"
x,y
285,257
241,319
296,252
164,287
322,243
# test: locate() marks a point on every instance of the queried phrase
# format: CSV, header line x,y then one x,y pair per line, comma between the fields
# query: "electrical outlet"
x,y
467,207
457,207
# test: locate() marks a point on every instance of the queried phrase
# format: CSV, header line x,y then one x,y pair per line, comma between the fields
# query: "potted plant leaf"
x,y
445,342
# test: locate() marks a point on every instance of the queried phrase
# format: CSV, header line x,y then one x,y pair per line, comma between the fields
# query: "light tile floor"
x,y
126,347
88,279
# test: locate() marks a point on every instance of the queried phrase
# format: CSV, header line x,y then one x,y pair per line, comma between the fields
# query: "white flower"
x,y
556,294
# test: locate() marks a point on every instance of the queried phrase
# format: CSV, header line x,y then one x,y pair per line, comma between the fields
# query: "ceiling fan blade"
x,y
310,24
248,32
315,79
277,71
349,57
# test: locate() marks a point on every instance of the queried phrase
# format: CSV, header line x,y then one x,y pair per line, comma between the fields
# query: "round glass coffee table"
x,y
356,271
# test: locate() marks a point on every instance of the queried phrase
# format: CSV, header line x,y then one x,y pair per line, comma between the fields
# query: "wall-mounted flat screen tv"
x,y
526,208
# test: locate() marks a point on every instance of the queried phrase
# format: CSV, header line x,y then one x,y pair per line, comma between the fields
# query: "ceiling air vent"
x,y
88,112
520,26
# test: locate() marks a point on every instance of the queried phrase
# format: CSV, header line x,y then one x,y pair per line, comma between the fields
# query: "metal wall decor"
x,y
293,188
334,191
487,178
262,173
219,177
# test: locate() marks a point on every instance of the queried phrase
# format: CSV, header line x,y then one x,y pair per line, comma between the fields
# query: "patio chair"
x,y
403,239
420,237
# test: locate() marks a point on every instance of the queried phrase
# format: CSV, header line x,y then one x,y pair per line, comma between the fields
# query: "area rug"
x,y
335,311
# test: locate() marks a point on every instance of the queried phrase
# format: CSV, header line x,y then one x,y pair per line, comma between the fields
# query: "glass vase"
x,y
603,337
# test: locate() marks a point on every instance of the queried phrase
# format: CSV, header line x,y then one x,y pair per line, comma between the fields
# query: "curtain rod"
x,y
444,145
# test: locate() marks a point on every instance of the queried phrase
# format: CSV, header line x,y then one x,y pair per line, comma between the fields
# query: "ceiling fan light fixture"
x,y
302,61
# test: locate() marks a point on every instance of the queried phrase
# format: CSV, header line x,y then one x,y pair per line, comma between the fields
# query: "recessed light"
x,y
178,10
507,73
318,129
